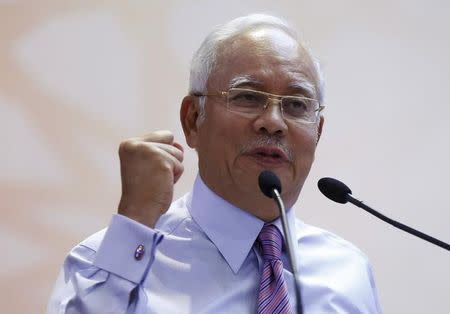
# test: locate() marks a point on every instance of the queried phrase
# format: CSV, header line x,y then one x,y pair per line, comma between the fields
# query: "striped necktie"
x,y
273,295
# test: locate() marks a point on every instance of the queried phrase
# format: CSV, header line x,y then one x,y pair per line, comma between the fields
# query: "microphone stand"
x,y
338,192
397,224
291,254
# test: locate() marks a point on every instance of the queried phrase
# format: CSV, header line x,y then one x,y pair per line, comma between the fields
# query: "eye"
x,y
295,106
245,98
299,108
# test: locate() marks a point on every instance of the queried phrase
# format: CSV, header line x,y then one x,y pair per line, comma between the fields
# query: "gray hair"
x,y
205,57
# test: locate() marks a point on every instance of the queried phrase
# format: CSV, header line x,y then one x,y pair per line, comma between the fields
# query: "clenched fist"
x,y
150,166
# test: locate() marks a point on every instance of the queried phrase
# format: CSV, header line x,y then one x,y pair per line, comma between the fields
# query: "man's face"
x,y
234,149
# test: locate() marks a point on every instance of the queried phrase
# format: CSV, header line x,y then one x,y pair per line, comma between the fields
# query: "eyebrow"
x,y
246,80
302,87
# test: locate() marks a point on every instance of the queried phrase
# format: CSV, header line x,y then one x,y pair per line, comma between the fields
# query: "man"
x,y
254,104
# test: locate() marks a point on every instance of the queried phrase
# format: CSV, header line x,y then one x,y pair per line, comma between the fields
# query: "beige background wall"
x,y
77,77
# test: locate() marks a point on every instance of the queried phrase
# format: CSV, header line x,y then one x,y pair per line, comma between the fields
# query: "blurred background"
x,y
78,77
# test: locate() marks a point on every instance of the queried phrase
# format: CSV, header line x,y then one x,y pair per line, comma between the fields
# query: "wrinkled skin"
x,y
277,63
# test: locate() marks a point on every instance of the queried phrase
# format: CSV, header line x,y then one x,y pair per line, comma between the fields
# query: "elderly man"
x,y
254,104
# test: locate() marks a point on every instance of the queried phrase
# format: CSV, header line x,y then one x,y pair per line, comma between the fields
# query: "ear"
x,y
319,128
189,115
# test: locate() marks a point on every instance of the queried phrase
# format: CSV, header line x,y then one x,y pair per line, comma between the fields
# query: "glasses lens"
x,y
246,101
300,109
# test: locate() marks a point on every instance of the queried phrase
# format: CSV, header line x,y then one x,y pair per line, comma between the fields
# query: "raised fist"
x,y
150,166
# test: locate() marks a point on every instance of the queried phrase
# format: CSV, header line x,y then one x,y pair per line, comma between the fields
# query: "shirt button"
x,y
139,253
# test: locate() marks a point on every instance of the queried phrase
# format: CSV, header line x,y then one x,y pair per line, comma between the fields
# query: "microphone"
x,y
337,191
268,183
270,186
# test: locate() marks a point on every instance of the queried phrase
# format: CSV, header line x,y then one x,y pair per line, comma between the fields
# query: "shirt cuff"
x,y
127,249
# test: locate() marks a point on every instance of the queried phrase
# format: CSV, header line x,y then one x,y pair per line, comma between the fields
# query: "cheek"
x,y
305,147
220,136
229,129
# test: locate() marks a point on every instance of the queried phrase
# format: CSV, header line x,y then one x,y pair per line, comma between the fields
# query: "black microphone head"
x,y
334,189
268,181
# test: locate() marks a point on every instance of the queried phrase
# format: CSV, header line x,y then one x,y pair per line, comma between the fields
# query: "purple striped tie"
x,y
273,294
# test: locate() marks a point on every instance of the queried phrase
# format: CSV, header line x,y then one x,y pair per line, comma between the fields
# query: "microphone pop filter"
x,y
268,181
334,189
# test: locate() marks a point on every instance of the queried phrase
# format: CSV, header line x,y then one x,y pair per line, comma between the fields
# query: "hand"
x,y
150,166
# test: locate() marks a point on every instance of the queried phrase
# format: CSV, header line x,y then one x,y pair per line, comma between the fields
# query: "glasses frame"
x,y
271,98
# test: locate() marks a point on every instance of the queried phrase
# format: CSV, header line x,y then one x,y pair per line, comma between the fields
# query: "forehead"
x,y
266,58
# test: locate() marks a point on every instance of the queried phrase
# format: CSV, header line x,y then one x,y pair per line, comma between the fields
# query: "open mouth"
x,y
269,155
272,155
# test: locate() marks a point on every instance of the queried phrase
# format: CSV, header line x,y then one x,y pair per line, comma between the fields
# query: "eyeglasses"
x,y
251,103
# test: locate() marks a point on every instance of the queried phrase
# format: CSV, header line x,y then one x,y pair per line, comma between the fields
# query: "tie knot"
x,y
271,241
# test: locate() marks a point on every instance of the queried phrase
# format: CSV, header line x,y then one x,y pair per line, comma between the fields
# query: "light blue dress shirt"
x,y
201,258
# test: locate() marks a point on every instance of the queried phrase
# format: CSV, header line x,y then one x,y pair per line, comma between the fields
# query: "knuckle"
x,y
126,147
141,148
166,134
162,136
147,151
135,148
166,166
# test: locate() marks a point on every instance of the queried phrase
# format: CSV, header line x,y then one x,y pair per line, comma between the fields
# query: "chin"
x,y
270,215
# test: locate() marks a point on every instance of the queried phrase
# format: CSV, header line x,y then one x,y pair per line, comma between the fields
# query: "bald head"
x,y
265,34
268,47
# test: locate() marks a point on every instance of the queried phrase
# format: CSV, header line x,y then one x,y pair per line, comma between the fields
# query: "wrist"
x,y
144,214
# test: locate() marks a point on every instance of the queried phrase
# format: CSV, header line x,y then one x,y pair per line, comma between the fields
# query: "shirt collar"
x,y
232,230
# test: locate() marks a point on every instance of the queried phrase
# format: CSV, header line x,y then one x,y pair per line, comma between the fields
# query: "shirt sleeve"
x,y
103,273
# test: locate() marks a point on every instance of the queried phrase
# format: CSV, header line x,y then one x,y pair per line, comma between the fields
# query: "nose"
x,y
271,120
